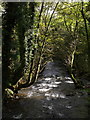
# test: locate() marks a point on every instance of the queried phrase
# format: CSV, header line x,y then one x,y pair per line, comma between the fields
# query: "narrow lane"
x,y
52,96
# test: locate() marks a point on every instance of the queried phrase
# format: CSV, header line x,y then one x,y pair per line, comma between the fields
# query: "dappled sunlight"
x,y
52,85
34,87
60,114
68,78
62,95
68,106
48,98
50,107
58,82
46,59
41,85
69,82
51,96
30,94
48,79
55,95
46,85
44,90
60,78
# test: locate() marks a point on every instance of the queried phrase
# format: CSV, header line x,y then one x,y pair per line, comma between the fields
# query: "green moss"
x,y
9,93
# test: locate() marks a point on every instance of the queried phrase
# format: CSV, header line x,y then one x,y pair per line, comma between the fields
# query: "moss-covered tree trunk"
x,y
8,23
31,22
19,72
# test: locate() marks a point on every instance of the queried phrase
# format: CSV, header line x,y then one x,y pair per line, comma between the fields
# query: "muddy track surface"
x,y
52,96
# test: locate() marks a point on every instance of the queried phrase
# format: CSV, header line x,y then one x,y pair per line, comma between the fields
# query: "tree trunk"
x,y
19,72
7,26
87,37
31,21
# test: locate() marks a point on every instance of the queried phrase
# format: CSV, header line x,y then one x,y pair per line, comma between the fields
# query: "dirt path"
x,y
52,96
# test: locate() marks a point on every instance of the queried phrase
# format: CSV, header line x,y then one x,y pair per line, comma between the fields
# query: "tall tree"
x,y
87,35
21,38
9,20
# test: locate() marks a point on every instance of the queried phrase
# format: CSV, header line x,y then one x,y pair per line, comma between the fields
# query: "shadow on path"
x,y
52,96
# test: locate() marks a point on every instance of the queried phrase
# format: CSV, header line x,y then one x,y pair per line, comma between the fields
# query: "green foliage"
x,y
33,33
87,90
9,93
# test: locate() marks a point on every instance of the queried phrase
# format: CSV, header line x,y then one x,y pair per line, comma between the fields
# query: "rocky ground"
x,y
52,96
